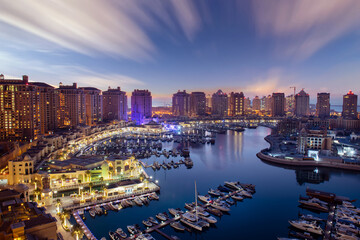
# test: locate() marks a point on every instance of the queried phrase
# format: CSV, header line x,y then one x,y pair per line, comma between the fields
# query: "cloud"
x,y
39,71
302,27
115,28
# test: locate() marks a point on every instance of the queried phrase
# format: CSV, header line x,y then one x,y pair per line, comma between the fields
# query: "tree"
x,y
63,178
58,204
101,179
88,175
90,186
37,192
65,215
77,231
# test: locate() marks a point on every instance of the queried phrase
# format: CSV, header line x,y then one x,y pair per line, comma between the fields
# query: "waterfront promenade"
x,y
290,160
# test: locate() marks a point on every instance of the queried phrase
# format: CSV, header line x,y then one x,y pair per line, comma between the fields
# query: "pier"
x,y
83,226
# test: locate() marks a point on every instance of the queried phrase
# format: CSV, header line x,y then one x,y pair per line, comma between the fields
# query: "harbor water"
x,y
232,158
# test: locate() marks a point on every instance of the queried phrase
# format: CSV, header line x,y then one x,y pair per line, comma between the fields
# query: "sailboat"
x,y
197,224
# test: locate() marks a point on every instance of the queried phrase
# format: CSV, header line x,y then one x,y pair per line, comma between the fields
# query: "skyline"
x,y
170,46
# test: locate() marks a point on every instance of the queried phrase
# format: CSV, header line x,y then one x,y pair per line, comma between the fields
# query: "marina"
x,y
232,157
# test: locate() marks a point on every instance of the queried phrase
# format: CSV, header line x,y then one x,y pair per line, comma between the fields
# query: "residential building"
x,y
278,105
70,106
19,110
93,105
302,104
115,105
268,101
323,105
197,104
219,104
256,104
236,104
181,104
141,105
313,139
350,106
247,103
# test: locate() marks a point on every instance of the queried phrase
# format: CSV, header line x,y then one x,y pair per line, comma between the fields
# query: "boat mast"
x,y
196,203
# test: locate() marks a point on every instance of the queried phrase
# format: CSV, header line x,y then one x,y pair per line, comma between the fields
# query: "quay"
x,y
114,198
83,226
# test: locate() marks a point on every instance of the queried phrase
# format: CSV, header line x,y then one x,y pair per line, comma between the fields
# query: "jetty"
x,y
89,235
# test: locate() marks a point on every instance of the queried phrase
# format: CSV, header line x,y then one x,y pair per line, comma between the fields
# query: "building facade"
x,y
278,105
181,104
350,106
302,104
197,104
141,105
70,106
236,105
323,105
93,105
115,105
256,104
219,103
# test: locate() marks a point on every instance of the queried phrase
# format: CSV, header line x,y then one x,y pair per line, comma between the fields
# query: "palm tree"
x,y
88,175
65,215
77,231
37,193
90,186
63,178
101,179
58,204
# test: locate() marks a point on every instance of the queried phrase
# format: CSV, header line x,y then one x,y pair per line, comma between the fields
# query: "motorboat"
x,y
144,200
237,197
214,211
153,220
114,235
175,212
147,223
92,212
310,217
205,199
220,206
98,210
161,216
215,193
315,203
121,233
246,194
201,211
194,225
132,229
138,201
209,219
189,216
177,226
307,226
232,185
145,236
230,201
224,189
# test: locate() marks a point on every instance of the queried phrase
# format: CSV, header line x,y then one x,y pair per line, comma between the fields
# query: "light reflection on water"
x,y
233,158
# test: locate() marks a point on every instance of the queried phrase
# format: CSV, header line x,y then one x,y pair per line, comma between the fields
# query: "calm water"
x,y
233,158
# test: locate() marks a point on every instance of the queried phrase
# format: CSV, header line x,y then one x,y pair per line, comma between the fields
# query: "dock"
x,y
89,235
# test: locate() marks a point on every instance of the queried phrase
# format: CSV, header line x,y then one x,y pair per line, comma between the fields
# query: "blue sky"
x,y
253,46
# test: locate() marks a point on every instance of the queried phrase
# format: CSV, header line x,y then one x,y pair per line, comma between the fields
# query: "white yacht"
x,y
205,199
220,206
307,226
233,185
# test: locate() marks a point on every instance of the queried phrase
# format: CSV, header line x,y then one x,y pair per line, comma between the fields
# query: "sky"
x,y
254,46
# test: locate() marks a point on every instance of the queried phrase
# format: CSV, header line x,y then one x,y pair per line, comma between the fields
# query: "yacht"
x,y
114,235
189,216
220,206
307,226
175,212
205,199
161,216
237,197
232,185
153,221
147,223
246,194
92,212
209,219
315,203
121,233
230,201
145,236
215,193
132,229
191,224
98,210
138,201
177,226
